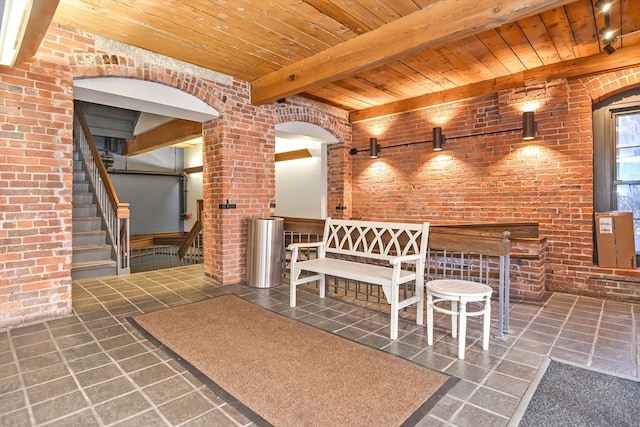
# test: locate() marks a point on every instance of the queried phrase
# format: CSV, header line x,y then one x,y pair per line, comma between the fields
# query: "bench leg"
x,y
394,312
323,285
295,272
420,305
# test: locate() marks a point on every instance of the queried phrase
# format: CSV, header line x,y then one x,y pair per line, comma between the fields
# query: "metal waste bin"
x,y
265,252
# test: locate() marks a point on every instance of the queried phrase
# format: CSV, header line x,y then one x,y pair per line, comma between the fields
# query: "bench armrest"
x,y
305,245
405,258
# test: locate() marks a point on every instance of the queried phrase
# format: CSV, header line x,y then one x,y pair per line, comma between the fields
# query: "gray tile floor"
x,y
93,369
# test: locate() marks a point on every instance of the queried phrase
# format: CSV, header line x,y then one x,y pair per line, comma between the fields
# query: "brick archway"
x,y
604,86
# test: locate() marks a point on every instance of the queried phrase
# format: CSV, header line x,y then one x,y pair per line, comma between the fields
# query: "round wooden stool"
x,y
459,292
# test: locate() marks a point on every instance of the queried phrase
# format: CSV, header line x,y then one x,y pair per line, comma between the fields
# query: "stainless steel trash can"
x,y
265,252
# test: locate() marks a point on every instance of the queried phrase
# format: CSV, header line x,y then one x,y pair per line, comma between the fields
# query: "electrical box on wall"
x,y
615,240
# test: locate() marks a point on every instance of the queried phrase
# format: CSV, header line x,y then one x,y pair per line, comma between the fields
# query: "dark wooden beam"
x,y
591,65
170,133
437,24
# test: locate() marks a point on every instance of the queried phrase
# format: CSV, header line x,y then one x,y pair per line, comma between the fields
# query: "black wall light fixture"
x,y
528,126
438,139
374,148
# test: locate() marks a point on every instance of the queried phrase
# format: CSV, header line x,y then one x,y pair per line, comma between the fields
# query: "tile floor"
x,y
93,369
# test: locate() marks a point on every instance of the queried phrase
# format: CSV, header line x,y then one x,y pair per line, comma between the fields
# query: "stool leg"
x,y
462,337
486,324
429,318
454,318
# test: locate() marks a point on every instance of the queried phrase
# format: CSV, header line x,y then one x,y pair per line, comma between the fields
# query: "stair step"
x,y
79,175
90,223
80,186
91,253
84,238
78,165
84,198
82,211
87,270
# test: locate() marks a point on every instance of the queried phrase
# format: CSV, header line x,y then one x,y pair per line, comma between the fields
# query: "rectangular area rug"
x,y
567,395
283,372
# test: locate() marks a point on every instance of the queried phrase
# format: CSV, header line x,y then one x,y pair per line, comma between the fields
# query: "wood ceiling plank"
x,y
172,132
520,45
426,84
369,90
537,34
447,64
213,49
426,64
557,24
583,26
401,7
501,50
430,27
341,97
390,81
309,20
341,15
630,15
478,58
579,67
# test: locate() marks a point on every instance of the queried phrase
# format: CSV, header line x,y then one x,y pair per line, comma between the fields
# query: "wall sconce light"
x,y
438,139
608,49
528,126
374,148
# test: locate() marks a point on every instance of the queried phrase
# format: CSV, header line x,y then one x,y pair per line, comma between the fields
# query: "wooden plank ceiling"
x,y
371,57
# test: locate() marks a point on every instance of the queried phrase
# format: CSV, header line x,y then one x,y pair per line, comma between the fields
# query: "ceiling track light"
x,y
603,5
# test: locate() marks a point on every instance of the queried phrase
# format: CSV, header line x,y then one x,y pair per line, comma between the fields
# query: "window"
x,y
616,133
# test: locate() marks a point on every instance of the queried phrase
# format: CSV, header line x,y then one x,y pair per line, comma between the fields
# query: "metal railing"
x,y
114,213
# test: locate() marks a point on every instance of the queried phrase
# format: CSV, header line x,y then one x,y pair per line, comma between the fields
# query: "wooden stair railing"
x,y
193,233
115,213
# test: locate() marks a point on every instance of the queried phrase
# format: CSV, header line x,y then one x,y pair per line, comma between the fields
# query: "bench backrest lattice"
x,y
381,241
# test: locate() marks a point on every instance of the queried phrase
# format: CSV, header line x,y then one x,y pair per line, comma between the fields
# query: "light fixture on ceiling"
x,y
528,126
14,22
603,5
374,148
608,49
438,139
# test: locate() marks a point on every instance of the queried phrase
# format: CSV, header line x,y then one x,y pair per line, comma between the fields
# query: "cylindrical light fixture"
x,y
374,148
438,139
528,126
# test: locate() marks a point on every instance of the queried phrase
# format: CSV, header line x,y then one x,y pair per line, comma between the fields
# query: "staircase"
x,y
92,253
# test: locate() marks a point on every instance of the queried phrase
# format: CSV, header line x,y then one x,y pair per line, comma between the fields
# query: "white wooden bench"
x,y
356,251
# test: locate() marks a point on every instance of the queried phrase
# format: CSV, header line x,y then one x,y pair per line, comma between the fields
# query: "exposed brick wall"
x,y
496,176
35,191
36,164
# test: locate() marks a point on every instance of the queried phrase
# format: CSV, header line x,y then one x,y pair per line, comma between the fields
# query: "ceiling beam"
x,y
170,133
590,65
36,27
437,24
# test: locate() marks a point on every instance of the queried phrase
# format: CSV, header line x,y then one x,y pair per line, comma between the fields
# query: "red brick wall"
x,y
496,176
35,191
36,166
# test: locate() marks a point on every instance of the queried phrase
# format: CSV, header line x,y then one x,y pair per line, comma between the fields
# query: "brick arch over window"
x,y
84,65
604,86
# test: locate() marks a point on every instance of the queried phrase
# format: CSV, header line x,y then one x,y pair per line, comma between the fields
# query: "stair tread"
x,y
87,233
90,247
91,264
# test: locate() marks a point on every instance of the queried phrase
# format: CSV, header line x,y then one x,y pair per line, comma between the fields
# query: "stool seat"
x,y
459,293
